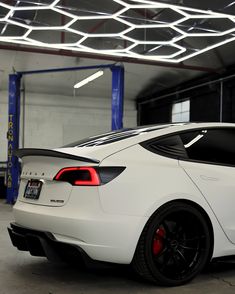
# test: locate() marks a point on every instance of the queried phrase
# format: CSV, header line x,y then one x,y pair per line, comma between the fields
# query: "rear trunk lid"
x,y
41,165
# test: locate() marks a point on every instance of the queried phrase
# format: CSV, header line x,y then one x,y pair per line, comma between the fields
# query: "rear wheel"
x,y
174,246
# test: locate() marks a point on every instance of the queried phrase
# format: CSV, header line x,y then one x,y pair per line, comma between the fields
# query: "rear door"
x,y
211,166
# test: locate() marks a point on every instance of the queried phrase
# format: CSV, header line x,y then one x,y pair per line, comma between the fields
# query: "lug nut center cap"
x,y
174,244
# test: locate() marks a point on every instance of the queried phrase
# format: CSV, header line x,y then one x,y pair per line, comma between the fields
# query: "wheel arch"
x,y
196,206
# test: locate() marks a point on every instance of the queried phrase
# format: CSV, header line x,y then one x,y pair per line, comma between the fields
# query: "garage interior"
x,y
177,68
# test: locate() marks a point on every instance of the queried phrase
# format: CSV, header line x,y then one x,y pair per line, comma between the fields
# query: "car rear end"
x,y
69,198
58,210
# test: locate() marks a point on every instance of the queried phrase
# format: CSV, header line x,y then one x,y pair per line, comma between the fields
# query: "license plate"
x,y
33,189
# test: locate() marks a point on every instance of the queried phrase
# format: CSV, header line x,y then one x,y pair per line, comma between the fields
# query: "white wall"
x,y
54,120
3,126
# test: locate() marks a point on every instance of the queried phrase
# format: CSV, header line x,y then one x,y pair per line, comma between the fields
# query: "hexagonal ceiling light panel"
x,y
141,29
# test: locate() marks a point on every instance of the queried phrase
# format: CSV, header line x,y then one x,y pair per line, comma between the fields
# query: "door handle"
x,y
206,178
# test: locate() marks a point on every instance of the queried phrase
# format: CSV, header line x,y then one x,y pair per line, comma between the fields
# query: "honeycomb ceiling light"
x,y
135,28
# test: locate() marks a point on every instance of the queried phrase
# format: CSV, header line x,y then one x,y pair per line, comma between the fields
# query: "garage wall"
x,y
55,120
3,126
204,104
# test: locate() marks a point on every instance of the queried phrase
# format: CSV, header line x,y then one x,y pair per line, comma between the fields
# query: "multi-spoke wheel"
x,y
174,246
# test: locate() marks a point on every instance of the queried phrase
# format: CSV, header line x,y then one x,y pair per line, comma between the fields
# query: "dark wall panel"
x,y
156,114
205,107
229,101
204,104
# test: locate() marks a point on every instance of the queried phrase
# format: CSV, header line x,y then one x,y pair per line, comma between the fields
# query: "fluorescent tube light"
x,y
89,79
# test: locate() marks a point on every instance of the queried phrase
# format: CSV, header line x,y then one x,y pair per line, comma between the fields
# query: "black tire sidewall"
x,y
154,224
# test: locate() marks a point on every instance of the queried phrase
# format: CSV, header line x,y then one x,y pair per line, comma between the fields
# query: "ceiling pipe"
x,y
100,24
177,92
108,58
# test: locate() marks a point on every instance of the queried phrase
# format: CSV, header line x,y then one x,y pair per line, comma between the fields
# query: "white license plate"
x,y
33,189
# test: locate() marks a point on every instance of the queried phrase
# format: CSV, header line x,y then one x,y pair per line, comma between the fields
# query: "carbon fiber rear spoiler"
x,y
51,153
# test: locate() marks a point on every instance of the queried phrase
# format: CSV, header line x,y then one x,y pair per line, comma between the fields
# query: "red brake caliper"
x,y
158,242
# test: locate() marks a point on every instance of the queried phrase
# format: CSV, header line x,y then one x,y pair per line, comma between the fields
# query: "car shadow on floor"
x,y
223,270
113,277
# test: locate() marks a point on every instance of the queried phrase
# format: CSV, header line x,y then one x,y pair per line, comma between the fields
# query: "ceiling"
x,y
149,30
141,77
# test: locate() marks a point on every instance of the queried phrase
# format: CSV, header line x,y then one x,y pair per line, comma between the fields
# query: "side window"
x,y
211,145
171,146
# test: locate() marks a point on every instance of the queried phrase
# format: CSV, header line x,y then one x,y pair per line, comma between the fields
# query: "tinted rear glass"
x,y
171,146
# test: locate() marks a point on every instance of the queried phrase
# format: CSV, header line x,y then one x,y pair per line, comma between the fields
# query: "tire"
x,y
174,246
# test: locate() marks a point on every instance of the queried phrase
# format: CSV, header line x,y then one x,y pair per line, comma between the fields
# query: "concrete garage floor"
x,y
23,274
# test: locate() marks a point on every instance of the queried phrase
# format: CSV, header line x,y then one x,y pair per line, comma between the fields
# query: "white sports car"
x,y
160,198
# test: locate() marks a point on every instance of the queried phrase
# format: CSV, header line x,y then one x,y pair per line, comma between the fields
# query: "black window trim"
x,y
146,145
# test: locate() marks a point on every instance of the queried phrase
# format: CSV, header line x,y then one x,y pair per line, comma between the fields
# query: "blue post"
x,y
117,97
13,167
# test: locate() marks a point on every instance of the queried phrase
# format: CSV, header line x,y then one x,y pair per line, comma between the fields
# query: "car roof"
x,y
144,131
99,148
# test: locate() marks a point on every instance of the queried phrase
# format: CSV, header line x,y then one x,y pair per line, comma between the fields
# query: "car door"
x,y
211,166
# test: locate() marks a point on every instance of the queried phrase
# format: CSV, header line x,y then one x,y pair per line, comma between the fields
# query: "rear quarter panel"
x,y
148,182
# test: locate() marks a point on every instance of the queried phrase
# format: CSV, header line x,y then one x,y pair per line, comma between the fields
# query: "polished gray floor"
x,y
23,274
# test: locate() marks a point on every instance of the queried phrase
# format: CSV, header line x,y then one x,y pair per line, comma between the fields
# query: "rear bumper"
x,y
43,244
103,237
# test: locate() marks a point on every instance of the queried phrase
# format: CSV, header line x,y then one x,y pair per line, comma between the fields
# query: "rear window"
x,y
114,136
171,146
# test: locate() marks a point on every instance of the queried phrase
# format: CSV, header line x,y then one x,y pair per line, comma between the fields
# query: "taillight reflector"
x,y
79,176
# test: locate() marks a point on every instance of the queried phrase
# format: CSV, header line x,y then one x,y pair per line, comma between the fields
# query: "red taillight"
x,y
79,176
89,176
63,171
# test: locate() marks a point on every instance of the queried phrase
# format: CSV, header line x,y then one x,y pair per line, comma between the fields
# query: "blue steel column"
x,y
117,97
13,166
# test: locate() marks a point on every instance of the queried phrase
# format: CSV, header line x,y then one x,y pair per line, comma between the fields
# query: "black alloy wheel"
x,y
174,246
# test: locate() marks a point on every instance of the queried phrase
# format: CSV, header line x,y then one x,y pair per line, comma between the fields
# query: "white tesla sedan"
x,y
160,198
